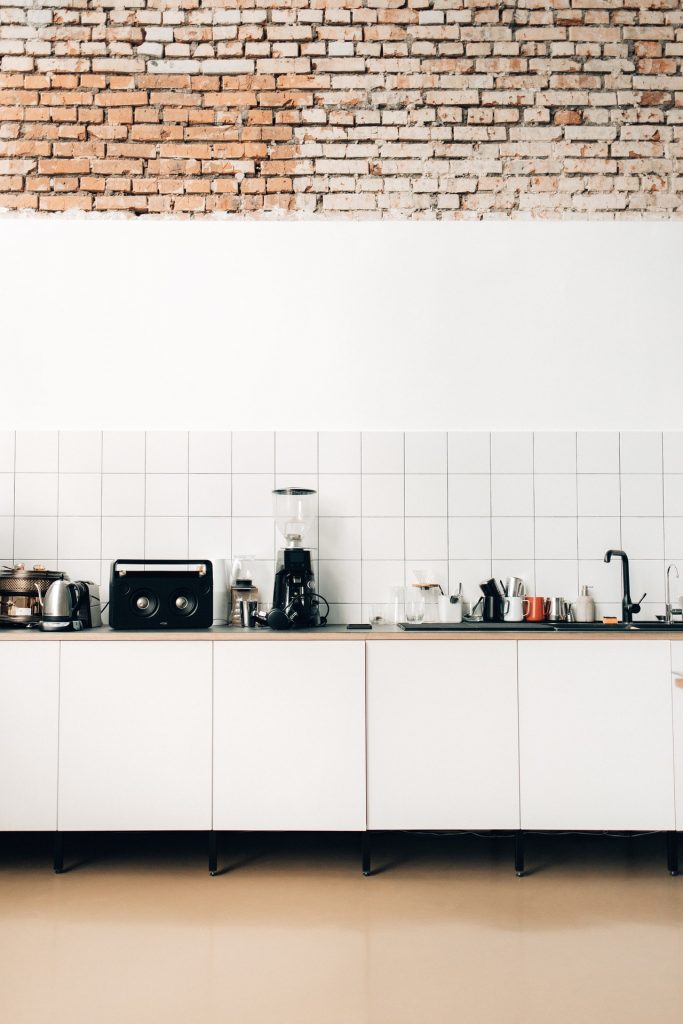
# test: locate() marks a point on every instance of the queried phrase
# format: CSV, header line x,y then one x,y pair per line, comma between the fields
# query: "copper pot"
x,y
22,591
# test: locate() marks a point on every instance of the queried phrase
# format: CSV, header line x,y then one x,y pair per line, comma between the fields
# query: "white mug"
x,y
449,611
515,609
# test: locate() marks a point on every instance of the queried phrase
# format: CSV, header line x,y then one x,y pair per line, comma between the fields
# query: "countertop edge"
x,y
224,633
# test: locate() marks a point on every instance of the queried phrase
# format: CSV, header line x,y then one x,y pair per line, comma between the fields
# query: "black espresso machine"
x,y
296,603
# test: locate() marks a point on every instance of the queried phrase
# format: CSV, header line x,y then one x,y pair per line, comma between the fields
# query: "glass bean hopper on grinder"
x,y
296,603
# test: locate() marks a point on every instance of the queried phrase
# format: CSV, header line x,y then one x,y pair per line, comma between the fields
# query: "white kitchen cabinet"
x,y
135,735
29,701
677,696
595,736
289,735
442,734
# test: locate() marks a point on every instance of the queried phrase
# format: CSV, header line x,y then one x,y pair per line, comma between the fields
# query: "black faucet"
x,y
629,609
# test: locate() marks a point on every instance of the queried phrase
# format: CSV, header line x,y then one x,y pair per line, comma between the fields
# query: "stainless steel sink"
x,y
539,627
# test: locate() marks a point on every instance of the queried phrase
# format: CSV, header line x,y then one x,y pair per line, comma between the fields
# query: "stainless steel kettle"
x,y
59,605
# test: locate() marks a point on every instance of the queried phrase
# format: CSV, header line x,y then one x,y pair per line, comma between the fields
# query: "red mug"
x,y
536,610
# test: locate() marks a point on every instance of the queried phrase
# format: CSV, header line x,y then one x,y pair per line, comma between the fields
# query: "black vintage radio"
x,y
160,594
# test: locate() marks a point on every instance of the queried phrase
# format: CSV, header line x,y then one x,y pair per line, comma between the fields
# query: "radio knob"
x,y
142,603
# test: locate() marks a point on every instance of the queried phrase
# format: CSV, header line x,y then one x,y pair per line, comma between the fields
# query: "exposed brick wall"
x,y
462,108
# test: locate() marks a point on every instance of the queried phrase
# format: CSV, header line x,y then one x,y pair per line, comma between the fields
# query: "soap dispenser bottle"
x,y
584,609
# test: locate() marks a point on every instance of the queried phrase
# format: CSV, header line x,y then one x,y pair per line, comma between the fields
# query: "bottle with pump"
x,y
584,609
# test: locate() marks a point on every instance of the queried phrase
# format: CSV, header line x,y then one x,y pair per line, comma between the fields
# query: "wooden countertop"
x,y
104,633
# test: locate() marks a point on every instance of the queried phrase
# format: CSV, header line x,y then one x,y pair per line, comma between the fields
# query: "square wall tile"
x,y
123,451
597,534
383,537
6,540
253,451
555,494
556,537
469,452
555,452
512,452
673,494
648,577
512,537
469,572
35,494
557,578
673,452
339,537
469,538
426,538
339,452
605,579
383,494
640,452
426,452
88,569
339,494
35,538
80,494
166,537
166,494
643,536
512,494
79,537
167,451
210,451
673,539
252,494
469,494
382,452
80,451
6,451
296,452
123,537
642,494
340,581
123,494
426,494
7,494
380,578
37,451
209,494
598,494
210,537
342,614
597,452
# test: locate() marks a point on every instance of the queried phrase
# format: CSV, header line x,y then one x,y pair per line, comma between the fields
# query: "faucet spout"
x,y
628,607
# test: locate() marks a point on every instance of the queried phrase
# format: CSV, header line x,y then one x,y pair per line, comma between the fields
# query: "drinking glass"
x,y
415,610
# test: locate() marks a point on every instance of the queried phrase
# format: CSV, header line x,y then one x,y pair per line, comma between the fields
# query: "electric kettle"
x,y
60,605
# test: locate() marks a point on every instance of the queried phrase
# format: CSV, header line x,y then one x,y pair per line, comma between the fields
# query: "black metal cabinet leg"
x,y
213,852
519,853
366,853
58,857
672,852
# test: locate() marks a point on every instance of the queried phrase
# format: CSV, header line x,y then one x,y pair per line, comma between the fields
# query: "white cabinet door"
x,y
595,736
135,735
442,734
677,681
289,735
29,701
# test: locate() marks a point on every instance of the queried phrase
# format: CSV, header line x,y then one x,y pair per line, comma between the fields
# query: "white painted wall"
x,y
331,325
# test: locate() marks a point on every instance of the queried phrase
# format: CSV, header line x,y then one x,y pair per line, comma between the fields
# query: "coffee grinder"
x,y
296,604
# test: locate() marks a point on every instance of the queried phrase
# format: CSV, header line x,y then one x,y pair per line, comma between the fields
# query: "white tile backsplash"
x,y
37,451
426,452
457,506
7,451
80,451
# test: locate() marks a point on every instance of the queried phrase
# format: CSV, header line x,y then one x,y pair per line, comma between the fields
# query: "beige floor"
x,y
295,935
